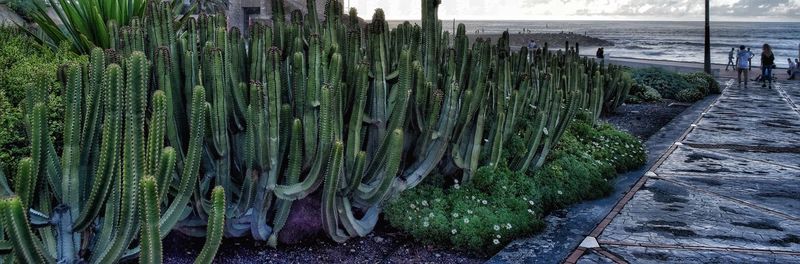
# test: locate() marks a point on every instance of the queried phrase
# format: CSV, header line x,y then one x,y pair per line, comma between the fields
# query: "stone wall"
x,y
243,12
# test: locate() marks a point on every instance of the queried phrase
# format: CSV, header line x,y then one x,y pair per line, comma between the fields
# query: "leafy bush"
x,y
668,84
24,65
643,93
500,205
682,87
703,81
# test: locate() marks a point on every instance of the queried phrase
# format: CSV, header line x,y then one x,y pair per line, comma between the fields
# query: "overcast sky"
x,y
686,10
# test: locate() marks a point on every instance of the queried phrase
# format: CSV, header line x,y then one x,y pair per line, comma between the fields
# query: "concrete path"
x,y
727,192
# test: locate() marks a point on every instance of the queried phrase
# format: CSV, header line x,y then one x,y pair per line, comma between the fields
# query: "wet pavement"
x,y
728,191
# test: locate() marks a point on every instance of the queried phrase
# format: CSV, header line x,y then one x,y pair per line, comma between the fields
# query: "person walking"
x,y
767,64
743,65
750,60
730,59
792,69
601,54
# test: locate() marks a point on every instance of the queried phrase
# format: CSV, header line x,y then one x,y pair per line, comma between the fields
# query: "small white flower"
x,y
466,220
457,186
484,202
425,203
430,215
508,225
455,215
530,211
498,236
560,192
496,228
524,198
531,202
469,211
496,242
453,231
413,206
409,218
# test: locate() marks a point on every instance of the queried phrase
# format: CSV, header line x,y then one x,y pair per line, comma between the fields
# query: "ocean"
x,y
663,40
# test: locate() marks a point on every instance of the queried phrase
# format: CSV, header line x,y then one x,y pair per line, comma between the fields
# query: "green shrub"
x,y
24,65
703,82
643,93
500,205
689,95
682,87
668,84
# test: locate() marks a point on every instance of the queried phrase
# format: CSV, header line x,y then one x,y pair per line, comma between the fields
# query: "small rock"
x,y
438,255
352,251
378,239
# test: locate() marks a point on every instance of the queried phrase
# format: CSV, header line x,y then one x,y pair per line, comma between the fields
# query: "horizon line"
x,y
603,20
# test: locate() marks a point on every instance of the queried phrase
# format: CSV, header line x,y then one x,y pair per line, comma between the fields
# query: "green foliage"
x,y
681,87
500,205
643,93
86,24
25,66
668,84
703,82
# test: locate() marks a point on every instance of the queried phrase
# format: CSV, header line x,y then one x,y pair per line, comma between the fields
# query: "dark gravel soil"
x,y
388,245
644,120
385,245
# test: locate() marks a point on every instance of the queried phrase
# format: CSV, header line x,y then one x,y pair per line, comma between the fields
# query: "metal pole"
x,y
708,40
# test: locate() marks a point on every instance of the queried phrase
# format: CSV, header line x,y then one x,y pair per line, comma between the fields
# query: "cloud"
x,y
592,9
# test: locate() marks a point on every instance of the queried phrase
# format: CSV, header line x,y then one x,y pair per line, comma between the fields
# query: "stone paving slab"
x,y
695,161
789,160
777,194
663,213
648,255
752,117
728,193
595,258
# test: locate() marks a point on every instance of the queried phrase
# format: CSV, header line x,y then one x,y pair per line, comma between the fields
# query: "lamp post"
x,y
708,40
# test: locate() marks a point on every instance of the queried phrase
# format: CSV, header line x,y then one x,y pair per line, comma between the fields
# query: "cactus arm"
x,y
191,168
329,210
93,110
164,172
70,159
355,226
101,185
26,246
133,158
216,222
149,241
293,176
313,180
373,194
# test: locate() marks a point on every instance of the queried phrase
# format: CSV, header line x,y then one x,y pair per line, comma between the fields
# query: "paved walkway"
x,y
727,192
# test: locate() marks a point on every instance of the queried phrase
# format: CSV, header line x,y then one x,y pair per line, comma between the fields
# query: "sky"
x,y
678,10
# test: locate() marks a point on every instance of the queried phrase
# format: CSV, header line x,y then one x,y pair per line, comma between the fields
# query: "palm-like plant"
x,y
88,23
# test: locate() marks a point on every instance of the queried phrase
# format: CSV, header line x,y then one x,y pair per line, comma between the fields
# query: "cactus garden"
x,y
165,124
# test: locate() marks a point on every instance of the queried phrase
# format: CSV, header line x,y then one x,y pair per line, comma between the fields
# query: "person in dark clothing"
x,y
767,64
601,53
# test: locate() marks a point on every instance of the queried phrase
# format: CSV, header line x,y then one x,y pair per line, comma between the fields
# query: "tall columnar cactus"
x,y
101,214
355,115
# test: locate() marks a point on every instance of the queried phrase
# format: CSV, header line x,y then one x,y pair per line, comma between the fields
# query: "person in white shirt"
x,y
743,64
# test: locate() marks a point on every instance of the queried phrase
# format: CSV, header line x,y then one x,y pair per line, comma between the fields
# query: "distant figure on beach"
x,y
750,60
743,64
730,59
601,53
792,69
767,64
